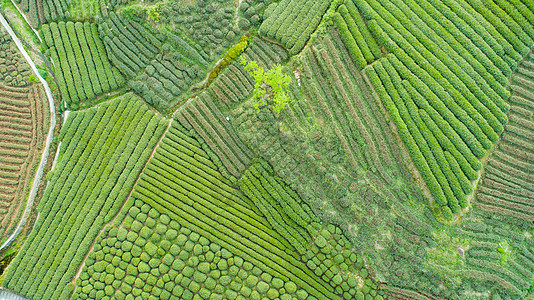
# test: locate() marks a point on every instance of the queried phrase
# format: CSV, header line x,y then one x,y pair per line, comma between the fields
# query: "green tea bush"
x,y
349,41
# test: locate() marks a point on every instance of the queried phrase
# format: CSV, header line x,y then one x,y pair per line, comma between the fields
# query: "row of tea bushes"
x,y
356,36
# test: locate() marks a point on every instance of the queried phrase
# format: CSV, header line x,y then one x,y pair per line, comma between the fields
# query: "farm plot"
x,y
446,92
504,198
160,68
332,93
202,116
491,250
289,215
102,153
232,86
23,125
83,70
292,22
211,26
223,243
150,255
253,13
403,115
499,257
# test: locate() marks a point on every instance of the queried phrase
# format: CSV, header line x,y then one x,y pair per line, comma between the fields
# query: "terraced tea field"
x,y
271,149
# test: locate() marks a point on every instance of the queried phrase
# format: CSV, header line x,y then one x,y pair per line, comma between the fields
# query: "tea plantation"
x,y
267,149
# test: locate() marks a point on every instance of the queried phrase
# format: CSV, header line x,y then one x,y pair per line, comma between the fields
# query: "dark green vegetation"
x,y
397,165
168,60
14,71
209,26
202,116
160,68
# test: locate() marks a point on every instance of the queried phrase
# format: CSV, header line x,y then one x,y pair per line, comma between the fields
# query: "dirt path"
x,y
24,30
26,19
236,12
49,138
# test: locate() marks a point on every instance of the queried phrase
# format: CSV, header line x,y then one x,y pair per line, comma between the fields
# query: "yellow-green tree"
x,y
269,85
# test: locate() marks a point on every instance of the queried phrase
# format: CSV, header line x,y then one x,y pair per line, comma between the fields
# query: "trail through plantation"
x,y
44,156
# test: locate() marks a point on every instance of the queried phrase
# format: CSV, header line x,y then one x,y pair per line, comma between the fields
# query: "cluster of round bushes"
x,y
211,24
14,71
251,10
330,257
153,257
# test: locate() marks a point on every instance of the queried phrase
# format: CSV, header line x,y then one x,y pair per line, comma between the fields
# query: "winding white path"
x,y
28,22
44,156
